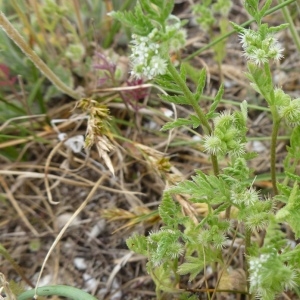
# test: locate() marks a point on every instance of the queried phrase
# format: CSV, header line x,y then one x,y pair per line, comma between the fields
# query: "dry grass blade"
x,y
17,207
49,194
62,231
119,264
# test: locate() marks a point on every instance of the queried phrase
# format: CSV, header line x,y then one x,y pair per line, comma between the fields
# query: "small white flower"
x,y
158,66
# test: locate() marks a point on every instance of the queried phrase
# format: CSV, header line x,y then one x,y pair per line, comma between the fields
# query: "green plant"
x,y
186,243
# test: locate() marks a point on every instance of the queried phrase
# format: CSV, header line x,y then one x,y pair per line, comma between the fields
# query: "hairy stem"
x,y
275,130
15,36
247,247
191,100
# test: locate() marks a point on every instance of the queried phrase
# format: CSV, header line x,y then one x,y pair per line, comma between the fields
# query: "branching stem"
x,y
193,102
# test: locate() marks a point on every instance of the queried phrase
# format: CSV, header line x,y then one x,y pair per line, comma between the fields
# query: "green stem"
x,y
175,269
247,248
15,36
58,290
223,37
293,30
269,96
275,129
190,97
193,102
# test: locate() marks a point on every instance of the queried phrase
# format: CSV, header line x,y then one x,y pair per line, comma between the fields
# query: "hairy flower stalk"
x,y
260,48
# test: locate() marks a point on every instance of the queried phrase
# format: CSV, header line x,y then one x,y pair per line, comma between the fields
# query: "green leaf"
x,y
177,123
184,187
293,176
244,110
199,194
216,102
238,169
177,99
192,73
265,7
162,276
183,72
250,155
164,245
281,98
166,82
138,244
169,210
135,20
274,238
294,149
293,220
203,189
252,8
158,10
203,184
284,190
167,9
278,28
260,81
200,84
149,8
237,28
196,121
193,266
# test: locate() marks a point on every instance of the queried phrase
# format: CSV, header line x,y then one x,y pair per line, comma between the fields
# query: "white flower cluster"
x,y
255,265
149,53
259,48
269,275
145,58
